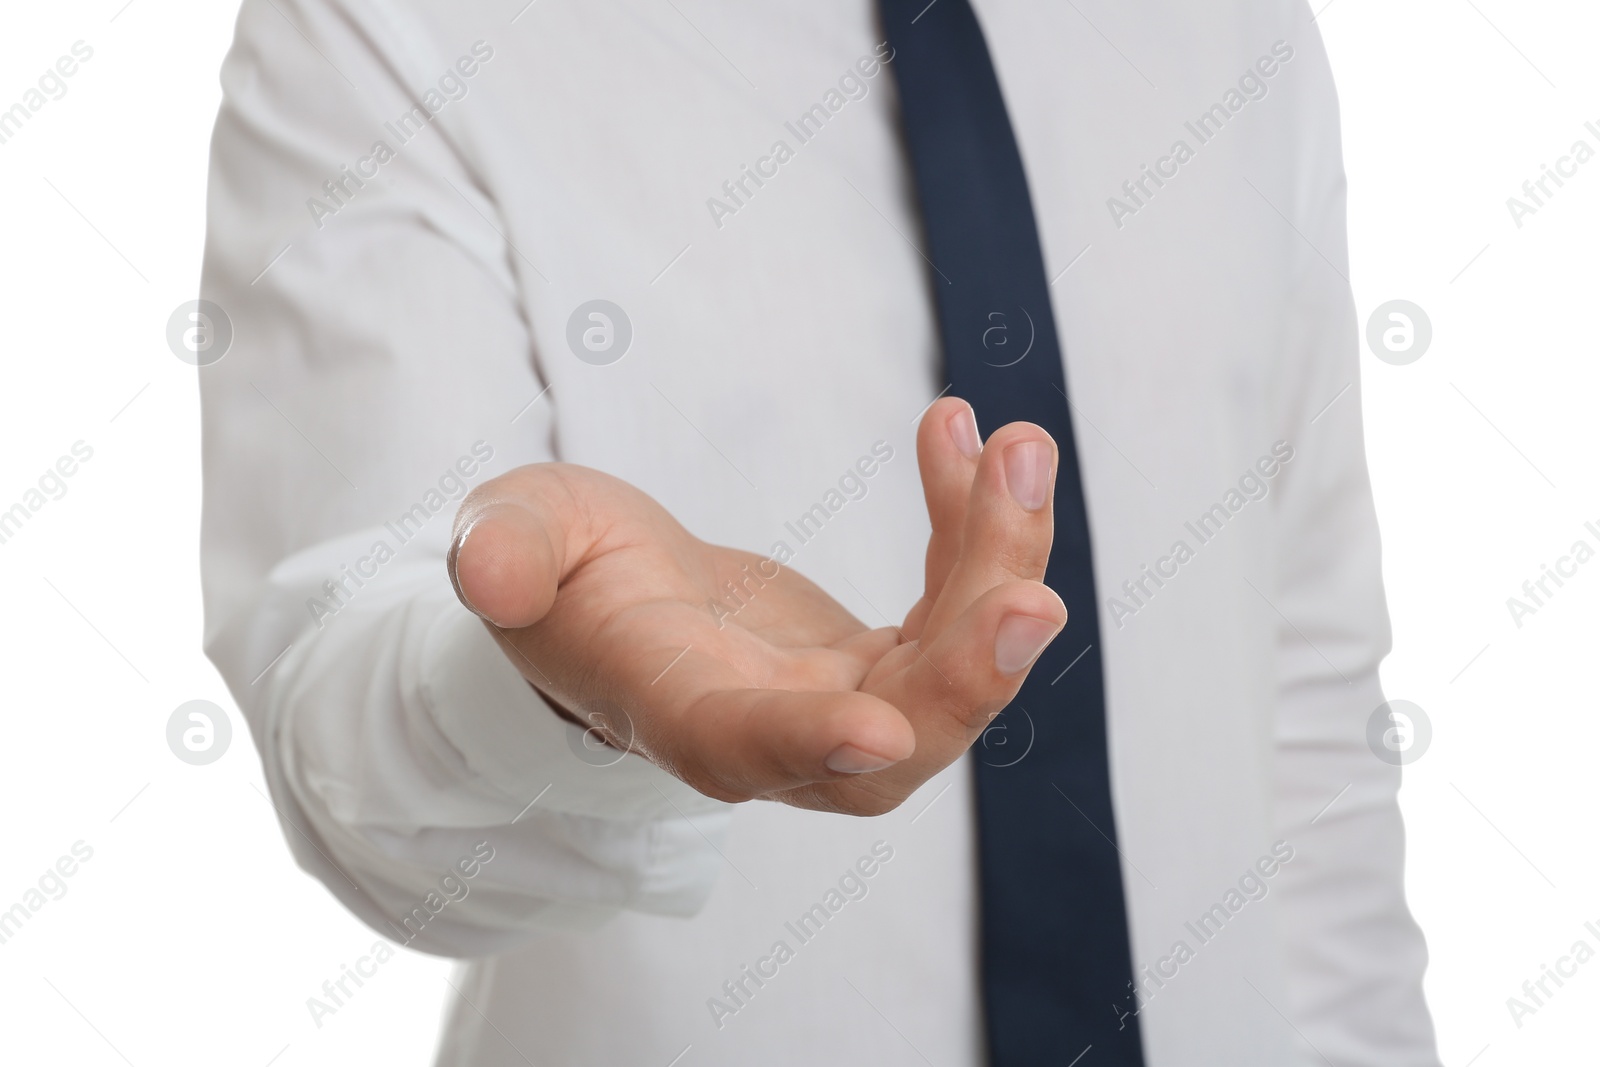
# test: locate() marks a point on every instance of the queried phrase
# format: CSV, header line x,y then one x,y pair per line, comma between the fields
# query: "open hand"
x,y
601,599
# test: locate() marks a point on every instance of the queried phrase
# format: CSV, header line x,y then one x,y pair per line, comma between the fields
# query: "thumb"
x,y
515,538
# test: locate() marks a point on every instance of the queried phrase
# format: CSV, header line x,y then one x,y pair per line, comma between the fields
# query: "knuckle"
x,y
1025,557
963,692
976,715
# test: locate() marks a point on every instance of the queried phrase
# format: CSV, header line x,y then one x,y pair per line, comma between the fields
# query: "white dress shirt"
x,y
401,331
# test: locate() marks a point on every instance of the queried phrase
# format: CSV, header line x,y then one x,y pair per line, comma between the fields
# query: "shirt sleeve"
x,y
1356,955
379,366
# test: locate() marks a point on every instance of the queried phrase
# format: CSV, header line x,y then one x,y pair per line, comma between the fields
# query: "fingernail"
x,y
964,432
1028,473
1020,640
848,759
450,568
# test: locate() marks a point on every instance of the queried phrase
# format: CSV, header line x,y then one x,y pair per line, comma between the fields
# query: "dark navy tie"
x,y
1055,965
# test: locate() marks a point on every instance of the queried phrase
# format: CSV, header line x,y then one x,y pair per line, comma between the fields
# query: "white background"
x,y
189,937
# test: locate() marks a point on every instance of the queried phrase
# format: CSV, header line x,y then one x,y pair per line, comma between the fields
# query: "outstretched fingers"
x,y
1008,524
